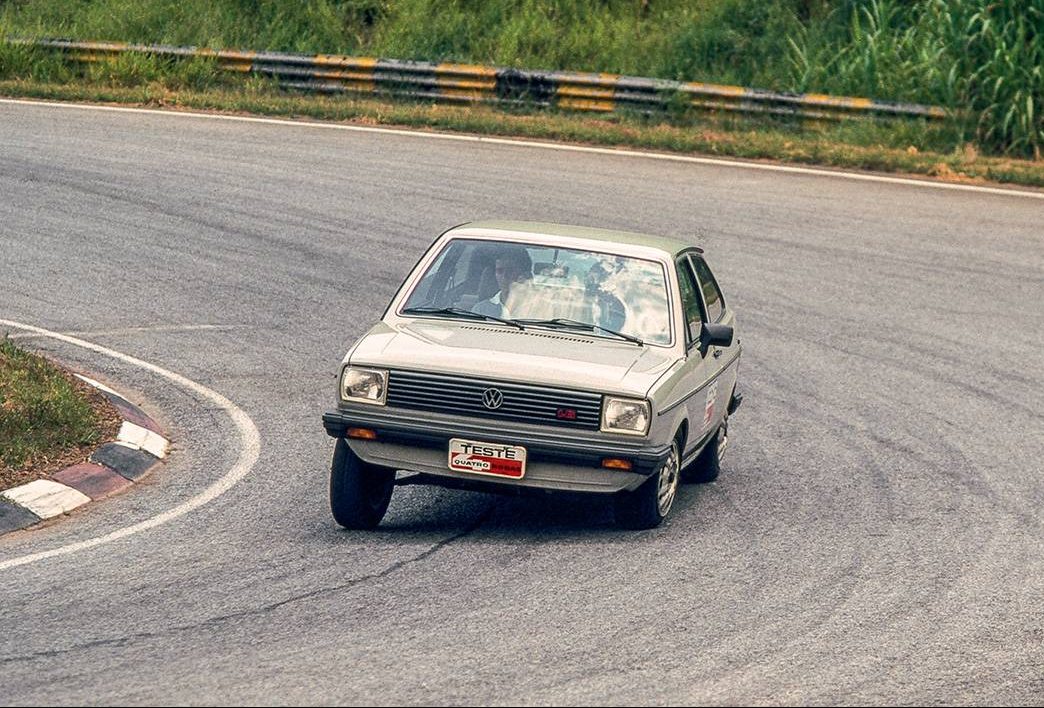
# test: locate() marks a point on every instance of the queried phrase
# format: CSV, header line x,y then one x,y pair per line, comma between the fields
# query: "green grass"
x,y
127,70
42,413
981,59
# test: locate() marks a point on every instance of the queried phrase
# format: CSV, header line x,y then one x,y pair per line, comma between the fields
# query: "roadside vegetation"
x,y
48,419
982,61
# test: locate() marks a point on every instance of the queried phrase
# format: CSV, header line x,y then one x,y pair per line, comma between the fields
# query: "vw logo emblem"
x,y
492,398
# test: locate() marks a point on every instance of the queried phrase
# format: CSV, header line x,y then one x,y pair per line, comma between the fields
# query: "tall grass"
x,y
21,61
1004,61
197,73
980,58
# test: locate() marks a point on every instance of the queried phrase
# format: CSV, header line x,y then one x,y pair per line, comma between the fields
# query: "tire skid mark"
x,y
214,622
799,646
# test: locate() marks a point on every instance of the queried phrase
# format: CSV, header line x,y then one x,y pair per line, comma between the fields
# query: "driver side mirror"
x,y
717,335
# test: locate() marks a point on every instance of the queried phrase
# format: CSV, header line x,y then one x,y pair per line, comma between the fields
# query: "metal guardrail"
x,y
467,83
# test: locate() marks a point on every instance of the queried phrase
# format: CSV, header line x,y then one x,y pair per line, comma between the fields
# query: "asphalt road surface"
x,y
876,535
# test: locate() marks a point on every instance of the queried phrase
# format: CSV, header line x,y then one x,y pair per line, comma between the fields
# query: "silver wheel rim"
x,y
667,485
723,438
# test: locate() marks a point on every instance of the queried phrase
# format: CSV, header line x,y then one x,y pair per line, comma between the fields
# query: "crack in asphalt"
x,y
257,611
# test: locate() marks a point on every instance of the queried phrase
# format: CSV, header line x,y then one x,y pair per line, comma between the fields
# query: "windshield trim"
x,y
439,247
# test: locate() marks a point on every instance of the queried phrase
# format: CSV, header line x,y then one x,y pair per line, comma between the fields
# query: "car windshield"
x,y
601,294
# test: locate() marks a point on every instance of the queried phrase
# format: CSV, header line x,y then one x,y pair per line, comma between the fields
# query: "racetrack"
x,y
876,535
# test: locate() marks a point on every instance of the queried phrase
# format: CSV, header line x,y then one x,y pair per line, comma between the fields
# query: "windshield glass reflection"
x,y
529,282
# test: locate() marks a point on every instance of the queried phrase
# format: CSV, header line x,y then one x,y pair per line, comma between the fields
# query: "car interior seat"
x,y
481,283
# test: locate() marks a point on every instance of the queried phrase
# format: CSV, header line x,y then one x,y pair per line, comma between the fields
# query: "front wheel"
x,y
647,506
359,492
707,465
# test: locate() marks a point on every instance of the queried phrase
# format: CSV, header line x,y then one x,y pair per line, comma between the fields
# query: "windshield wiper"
x,y
577,324
460,312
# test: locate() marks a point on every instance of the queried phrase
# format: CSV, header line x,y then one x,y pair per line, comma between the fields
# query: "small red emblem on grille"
x,y
566,414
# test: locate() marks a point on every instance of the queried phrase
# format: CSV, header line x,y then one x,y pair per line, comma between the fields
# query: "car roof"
x,y
553,233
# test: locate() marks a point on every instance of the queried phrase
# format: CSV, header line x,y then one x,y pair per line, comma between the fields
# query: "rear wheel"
x,y
647,506
359,492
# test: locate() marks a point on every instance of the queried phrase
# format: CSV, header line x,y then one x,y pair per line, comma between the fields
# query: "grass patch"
x,y
982,59
913,147
48,419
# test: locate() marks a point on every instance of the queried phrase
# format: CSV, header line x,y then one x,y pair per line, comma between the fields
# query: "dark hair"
x,y
519,256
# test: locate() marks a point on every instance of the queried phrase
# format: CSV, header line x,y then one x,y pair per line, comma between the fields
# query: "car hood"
x,y
537,355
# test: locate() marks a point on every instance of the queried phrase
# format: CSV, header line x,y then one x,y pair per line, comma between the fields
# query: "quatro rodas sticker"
x,y
487,458
708,408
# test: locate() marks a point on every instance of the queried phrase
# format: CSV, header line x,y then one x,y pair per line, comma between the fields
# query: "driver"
x,y
511,266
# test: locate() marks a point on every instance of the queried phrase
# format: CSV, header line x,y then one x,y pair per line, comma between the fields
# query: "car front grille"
x,y
458,395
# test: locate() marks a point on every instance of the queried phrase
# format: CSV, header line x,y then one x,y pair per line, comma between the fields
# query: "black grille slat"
x,y
584,424
455,404
463,396
549,395
469,402
511,398
548,409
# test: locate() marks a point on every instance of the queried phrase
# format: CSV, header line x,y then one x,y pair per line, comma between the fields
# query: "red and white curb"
x,y
139,446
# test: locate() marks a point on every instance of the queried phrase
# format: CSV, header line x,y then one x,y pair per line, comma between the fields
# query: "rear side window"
x,y
711,293
690,300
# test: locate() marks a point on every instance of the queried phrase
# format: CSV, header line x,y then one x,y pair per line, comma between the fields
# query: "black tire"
x,y
707,465
647,506
359,492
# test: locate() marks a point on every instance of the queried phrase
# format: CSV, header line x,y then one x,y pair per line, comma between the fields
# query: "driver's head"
x,y
511,266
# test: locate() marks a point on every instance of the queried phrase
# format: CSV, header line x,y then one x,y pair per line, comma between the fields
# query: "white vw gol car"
x,y
522,356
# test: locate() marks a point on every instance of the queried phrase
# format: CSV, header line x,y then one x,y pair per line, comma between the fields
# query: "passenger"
x,y
608,310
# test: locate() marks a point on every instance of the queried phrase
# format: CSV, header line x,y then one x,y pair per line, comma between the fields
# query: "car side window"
x,y
711,294
690,301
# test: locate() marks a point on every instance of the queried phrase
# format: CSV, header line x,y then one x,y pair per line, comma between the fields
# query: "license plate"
x,y
487,458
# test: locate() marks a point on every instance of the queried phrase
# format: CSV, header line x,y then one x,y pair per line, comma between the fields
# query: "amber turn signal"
x,y
616,463
361,433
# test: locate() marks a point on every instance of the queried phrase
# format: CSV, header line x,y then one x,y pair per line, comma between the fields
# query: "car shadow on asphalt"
x,y
578,517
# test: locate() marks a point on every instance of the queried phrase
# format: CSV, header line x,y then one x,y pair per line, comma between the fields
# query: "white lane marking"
x,y
133,330
250,450
144,438
46,498
619,152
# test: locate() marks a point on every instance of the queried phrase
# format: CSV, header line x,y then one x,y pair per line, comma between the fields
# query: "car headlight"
x,y
364,385
625,415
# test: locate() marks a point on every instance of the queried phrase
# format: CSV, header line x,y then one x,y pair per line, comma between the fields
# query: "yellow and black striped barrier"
x,y
469,83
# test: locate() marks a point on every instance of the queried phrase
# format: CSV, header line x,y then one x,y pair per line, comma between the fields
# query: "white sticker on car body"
x,y
708,408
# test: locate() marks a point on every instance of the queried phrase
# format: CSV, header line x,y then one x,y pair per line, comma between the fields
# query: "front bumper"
x,y
560,460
